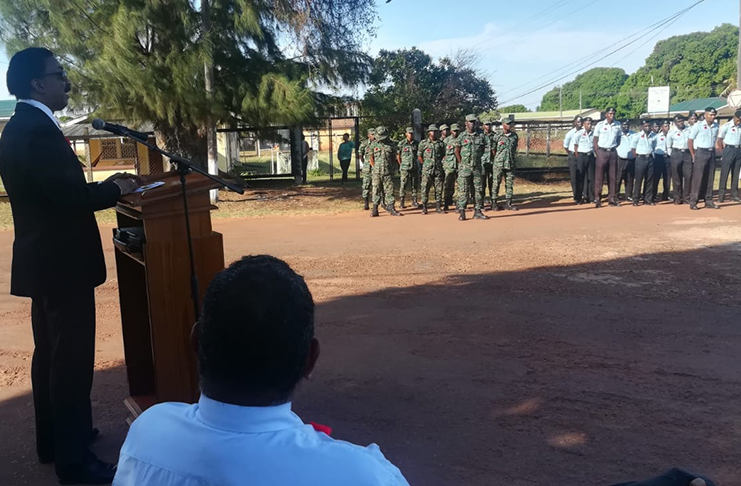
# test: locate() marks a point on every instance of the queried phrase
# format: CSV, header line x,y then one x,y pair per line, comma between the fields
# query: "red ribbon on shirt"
x,y
321,428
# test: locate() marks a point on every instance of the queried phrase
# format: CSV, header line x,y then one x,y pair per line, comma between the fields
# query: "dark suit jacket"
x,y
57,242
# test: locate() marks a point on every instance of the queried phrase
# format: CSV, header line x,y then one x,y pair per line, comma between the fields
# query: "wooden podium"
x,y
155,291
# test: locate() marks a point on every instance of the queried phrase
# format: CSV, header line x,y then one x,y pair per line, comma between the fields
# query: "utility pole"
x,y
560,103
208,68
580,98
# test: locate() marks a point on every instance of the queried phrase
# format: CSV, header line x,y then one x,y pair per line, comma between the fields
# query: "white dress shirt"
x,y
626,142
583,141
644,144
47,111
677,139
212,443
704,135
568,140
608,134
661,144
730,133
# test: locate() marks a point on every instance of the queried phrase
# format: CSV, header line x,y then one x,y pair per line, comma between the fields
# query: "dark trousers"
x,y
703,174
626,173
573,175
344,165
588,191
730,164
681,161
644,176
583,162
606,161
62,374
662,169
304,168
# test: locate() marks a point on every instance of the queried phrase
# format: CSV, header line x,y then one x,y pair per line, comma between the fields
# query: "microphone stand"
x,y
185,167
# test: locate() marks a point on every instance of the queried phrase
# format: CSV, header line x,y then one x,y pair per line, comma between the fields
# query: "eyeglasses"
x,y
62,74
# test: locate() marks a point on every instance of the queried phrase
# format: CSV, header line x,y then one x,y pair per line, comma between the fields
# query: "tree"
x,y
405,79
514,109
143,59
697,65
599,88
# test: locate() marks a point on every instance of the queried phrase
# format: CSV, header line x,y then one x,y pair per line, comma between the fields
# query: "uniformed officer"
x,y
450,166
606,140
444,132
568,145
384,162
364,154
486,163
505,150
681,160
701,144
662,163
408,167
729,142
626,161
430,155
583,147
469,148
643,147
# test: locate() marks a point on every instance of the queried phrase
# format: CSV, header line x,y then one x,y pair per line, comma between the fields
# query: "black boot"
x,y
374,213
710,204
415,204
508,206
693,206
461,215
438,209
402,205
424,208
477,214
365,207
392,210
445,208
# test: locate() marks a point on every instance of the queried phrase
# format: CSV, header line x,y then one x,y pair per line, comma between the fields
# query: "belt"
x,y
733,146
680,150
706,149
607,149
587,153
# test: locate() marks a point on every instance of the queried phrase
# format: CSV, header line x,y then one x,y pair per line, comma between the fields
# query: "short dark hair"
x,y
737,113
25,66
256,328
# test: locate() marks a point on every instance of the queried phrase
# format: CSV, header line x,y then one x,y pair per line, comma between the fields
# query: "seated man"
x,y
254,343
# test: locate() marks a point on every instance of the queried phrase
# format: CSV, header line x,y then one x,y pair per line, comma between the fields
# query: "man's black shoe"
x,y
508,206
374,212
477,214
47,457
438,209
736,198
461,215
694,207
94,472
424,208
598,204
635,203
402,205
366,205
711,205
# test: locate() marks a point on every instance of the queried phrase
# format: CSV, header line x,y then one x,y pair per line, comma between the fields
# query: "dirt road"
x,y
555,345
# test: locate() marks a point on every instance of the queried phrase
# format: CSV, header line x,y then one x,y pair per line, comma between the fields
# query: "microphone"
x,y
120,130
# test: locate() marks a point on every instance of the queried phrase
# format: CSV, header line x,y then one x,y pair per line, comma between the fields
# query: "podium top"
x,y
194,183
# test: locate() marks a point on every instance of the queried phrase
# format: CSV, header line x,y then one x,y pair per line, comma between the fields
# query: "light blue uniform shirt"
x,y
568,141
644,144
661,144
677,139
608,135
217,444
583,141
626,140
730,133
704,135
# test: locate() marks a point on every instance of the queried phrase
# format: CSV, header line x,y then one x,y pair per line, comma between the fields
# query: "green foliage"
x,y
144,59
405,79
514,109
697,65
599,87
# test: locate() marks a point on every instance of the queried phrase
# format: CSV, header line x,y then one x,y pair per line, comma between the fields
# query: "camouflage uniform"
x,y
472,146
486,165
450,166
504,163
408,168
432,152
367,170
383,152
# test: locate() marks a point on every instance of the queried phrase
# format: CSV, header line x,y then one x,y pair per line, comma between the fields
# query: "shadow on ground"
x,y
588,374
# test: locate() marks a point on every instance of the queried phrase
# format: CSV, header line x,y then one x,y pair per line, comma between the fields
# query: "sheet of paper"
x,y
149,186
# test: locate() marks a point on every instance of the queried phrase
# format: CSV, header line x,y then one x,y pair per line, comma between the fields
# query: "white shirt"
x,y
212,443
730,133
704,135
626,142
678,138
661,144
583,141
568,141
607,135
47,111
644,144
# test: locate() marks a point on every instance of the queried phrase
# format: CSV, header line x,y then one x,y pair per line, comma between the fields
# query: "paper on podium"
x,y
149,186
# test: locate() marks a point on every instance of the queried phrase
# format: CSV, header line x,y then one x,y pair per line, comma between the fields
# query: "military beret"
x,y
486,121
680,117
432,128
409,130
371,131
381,132
472,117
444,127
509,119
455,128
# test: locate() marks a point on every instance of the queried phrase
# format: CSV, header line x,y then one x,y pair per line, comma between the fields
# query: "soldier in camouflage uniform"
x,y
444,132
469,148
367,169
408,166
505,148
486,166
383,159
450,166
430,155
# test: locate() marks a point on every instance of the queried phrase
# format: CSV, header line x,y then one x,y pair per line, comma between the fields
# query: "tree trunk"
x,y
185,142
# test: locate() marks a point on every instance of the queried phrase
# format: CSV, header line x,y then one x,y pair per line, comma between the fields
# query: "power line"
x,y
657,24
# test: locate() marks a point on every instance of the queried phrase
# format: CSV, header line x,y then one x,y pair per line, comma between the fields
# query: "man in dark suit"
x,y
57,261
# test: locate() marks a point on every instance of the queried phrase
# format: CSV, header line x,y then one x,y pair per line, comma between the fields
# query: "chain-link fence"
x,y
255,153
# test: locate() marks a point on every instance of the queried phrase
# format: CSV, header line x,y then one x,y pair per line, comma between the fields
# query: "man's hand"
x,y
126,184
125,175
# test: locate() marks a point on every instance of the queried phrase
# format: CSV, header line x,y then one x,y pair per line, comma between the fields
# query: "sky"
x,y
521,44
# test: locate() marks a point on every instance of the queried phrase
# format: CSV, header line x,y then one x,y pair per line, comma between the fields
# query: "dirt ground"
x,y
557,345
